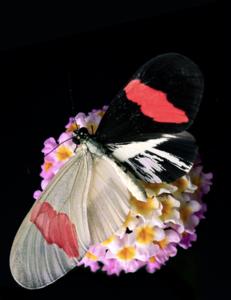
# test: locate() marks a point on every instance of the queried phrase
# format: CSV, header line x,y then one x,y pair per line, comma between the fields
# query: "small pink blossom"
x,y
153,265
164,254
48,168
206,182
188,210
202,180
201,213
37,194
187,239
49,145
81,119
91,258
112,266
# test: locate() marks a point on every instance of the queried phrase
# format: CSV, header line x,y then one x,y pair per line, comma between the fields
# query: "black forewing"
x,y
172,74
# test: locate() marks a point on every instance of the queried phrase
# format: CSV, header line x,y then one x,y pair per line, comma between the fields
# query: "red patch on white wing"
x,y
154,103
55,227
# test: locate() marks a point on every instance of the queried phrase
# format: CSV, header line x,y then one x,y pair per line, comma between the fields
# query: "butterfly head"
x,y
80,135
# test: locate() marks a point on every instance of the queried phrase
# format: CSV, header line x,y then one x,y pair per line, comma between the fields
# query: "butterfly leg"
x,y
76,146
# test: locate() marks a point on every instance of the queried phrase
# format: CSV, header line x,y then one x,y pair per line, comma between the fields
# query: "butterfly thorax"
x,y
83,137
80,135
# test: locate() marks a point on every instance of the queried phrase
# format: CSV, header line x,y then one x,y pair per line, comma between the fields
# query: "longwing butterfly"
x,y
141,137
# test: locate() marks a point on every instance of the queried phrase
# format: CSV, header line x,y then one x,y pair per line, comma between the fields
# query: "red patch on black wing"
x,y
154,103
163,97
56,228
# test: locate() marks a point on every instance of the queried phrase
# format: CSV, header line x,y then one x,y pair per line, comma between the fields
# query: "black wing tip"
x,y
174,56
177,60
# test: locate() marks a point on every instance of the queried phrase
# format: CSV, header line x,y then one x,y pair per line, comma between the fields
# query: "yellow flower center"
x,y
128,219
63,153
91,256
144,208
47,165
126,253
182,184
167,206
155,187
108,241
185,212
152,259
92,128
101,113
163,243
196,180
145,235
72,127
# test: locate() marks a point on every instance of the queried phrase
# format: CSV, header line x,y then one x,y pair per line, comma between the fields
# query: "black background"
x,y
101,49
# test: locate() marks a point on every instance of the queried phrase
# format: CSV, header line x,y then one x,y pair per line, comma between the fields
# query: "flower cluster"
x,y
153,230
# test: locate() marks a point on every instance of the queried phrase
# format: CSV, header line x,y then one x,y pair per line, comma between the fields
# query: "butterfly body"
x,y
142,137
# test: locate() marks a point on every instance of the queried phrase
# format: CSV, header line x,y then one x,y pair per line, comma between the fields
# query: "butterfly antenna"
x,y
70,92
58,146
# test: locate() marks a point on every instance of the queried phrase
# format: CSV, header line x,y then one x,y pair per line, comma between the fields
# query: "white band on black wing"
x,y
162,159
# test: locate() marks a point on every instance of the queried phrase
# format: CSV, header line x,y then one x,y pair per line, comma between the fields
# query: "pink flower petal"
x,y
112,267
49,145
37,194
65,138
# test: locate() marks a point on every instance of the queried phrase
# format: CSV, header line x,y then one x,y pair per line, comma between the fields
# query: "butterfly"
x,y
142,137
